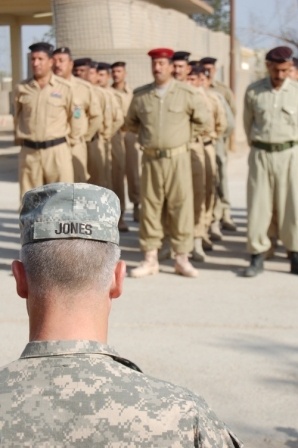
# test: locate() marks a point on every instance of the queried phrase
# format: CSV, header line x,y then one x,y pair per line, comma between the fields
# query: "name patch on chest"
x,y
56,95
74,228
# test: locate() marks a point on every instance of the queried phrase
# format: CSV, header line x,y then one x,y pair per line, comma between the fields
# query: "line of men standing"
x,y
71,124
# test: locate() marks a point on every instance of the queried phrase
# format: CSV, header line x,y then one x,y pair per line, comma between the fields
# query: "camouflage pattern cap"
x,y
62,211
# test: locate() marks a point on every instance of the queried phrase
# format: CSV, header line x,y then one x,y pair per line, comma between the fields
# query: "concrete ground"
x,y
232,340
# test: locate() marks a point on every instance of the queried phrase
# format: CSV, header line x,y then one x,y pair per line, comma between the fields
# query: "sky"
x,y
254,18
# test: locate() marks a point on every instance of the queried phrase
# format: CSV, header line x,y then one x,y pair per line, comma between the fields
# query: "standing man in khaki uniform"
x,y
271,126
204,167
125,154
161,113
47,122
222,210
87,102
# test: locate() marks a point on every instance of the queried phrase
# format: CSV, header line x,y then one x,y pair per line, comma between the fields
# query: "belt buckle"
x,y
162,153
276,147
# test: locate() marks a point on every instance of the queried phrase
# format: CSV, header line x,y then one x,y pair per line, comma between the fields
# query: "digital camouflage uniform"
x,y
83,394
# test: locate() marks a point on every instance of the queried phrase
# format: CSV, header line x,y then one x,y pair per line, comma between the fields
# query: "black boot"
x,y
294,262
256,266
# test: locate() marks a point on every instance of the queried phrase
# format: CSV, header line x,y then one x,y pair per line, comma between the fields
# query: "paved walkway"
x,y
230,339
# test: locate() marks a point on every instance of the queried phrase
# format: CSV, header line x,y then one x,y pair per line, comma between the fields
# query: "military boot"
x,y
227,221
294,262
198,253
149,266
122,226
136,213
256,266
183,266
164,253
215,232
207,244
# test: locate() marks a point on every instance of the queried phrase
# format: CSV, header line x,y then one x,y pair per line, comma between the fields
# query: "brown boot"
x,y
149,266
122,226
215,232
183,266
136,213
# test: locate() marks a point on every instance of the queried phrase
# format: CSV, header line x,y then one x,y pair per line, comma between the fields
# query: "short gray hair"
x,y
69,266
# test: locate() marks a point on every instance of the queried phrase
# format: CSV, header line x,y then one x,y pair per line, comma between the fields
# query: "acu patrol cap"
x,y
64,211
181,56
280,54
42,46
161,53
82,62
208,60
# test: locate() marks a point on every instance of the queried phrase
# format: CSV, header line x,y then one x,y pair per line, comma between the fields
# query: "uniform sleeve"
x,y
76,121
230,98
200,115
132,122
117,113
220,118
95,116
248,115
17,108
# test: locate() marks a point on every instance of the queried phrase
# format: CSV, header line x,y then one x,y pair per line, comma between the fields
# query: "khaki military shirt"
x,y
219,119
105,104
163,122
226,93
47,113
116,109
271,115
82,393
124,97
87,101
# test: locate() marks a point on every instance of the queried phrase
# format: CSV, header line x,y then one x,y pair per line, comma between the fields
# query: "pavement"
x,y
230,339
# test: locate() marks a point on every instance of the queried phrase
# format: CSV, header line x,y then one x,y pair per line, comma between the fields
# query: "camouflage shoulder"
x,y
143,89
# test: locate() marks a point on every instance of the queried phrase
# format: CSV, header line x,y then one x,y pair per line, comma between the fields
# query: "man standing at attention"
x,y
87,104
125,154
47,123
161,113
271,126
69,387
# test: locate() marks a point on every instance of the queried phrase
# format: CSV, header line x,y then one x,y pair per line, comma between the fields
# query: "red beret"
x,y
280,54
161,53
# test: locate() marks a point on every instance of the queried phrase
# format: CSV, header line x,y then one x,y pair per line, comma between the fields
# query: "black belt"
x,y
95,137
274,147
44,145
210,142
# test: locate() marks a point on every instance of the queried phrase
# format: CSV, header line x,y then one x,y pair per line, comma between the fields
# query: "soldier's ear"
x,y
118,278
19,274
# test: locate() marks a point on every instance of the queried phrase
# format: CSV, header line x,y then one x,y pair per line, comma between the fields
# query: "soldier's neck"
x,y
119,86
42,82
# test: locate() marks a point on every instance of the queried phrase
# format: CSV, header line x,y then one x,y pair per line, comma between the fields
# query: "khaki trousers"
x,y
199,187
223,198
211,171
170,180
100,163
44,166
272,185
132,154
118,167
79,160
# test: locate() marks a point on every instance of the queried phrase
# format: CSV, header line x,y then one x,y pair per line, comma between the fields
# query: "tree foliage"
x,y
220,20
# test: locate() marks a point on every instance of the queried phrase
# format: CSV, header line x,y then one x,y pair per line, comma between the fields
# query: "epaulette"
x,y
143,89
84,83
63,81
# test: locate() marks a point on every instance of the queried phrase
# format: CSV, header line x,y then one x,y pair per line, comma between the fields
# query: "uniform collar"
x,y
126,89
37,349
170,87
34,83
285,85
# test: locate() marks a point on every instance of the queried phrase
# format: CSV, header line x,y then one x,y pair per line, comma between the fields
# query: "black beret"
x,y
42,46
197,69
194,63
103,66
181,56
279,54
62,50
93,64
208,60
295,62
118,64
82,61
